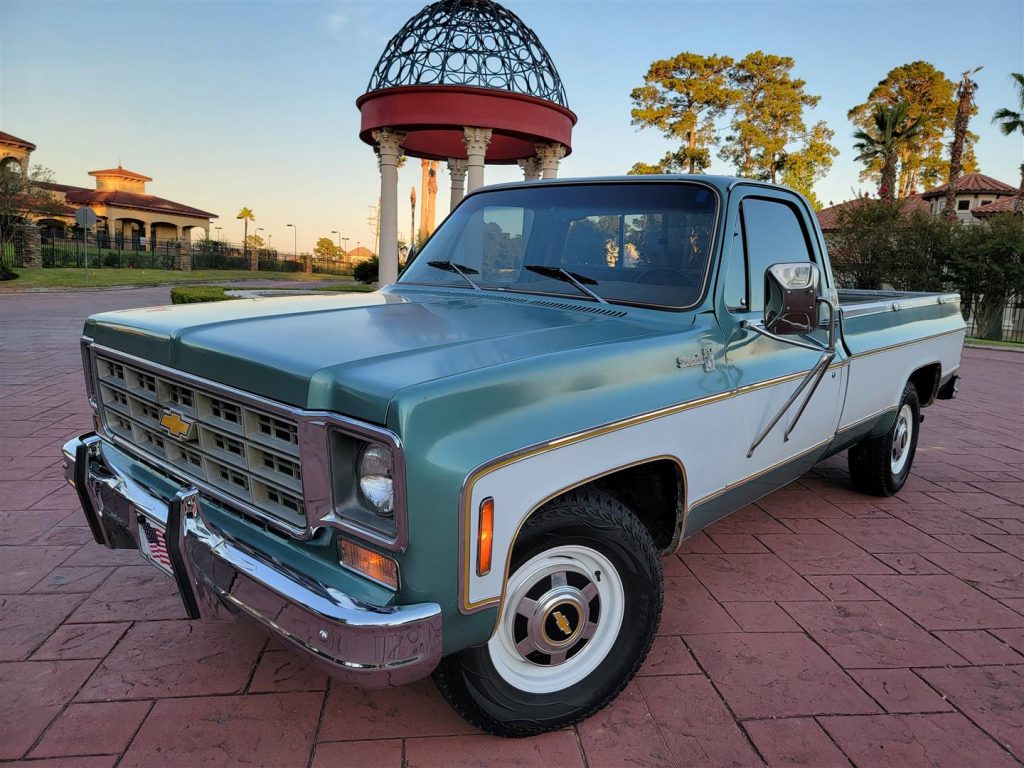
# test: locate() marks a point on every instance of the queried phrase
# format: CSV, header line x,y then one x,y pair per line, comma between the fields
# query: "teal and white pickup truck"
x,y
472,472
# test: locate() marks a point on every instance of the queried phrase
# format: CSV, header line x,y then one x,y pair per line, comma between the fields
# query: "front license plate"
x,y
153,545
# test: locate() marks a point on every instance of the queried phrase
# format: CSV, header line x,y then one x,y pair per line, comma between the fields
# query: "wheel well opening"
x,y
926,382
654,492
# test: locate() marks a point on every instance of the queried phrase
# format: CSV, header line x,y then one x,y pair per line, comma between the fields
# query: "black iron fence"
x,y
1005,323
70,249
118,251
331,267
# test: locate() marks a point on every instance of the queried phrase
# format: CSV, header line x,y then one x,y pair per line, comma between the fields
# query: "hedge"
x,y
192,294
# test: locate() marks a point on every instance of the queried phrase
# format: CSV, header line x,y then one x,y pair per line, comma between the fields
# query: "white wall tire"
x,y
586,557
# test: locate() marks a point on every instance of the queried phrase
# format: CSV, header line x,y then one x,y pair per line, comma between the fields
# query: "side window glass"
x,y
736,274
772,233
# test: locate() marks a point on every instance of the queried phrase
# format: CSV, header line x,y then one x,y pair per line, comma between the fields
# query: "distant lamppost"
x,y
295,240
345,241
336,232
218,232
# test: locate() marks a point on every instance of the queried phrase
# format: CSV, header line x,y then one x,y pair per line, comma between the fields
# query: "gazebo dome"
x,y
469,42
466,82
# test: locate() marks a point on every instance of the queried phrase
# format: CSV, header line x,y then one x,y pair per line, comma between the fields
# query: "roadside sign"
x,y
85,217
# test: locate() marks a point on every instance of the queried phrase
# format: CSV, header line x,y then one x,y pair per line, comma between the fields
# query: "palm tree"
x,y
246,215
965,102
1011,122
892,131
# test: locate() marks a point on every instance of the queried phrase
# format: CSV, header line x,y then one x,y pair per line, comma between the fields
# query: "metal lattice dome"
x,y
469,43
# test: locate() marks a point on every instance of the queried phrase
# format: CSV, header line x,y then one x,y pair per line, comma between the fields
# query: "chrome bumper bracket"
x,y
174,537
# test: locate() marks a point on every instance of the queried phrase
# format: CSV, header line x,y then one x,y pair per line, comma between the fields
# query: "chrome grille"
x,y
247,453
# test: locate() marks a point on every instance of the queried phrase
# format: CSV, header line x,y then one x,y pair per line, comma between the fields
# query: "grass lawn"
x,y
58,277
989,343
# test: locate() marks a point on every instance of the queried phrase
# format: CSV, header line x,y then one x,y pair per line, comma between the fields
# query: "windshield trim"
x,y
713,246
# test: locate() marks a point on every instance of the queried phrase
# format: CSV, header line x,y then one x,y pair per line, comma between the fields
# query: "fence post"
x,y
183,258
307,263
28,247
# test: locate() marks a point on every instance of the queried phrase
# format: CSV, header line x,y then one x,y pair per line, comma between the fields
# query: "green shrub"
x,y
367,271
192,294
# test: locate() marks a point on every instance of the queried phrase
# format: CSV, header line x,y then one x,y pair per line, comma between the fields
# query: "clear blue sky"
x,y
228,104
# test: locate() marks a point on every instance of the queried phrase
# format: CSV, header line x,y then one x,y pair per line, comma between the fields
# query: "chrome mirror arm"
x,y
815,375
752,325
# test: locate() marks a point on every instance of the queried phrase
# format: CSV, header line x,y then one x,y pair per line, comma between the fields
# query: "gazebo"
x,y
467,82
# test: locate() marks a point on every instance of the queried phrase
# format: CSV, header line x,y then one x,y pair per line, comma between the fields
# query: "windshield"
x,y
645,243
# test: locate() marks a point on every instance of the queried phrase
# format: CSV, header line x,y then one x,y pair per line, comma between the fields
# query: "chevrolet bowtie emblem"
x,y
176,426
562,622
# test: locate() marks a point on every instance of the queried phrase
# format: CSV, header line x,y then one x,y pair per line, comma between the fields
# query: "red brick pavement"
x,y
817,627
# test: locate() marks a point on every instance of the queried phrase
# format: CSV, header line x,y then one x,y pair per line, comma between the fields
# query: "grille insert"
x,y
247,453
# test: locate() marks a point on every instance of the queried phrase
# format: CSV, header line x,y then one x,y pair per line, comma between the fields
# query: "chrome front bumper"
x,y
222,578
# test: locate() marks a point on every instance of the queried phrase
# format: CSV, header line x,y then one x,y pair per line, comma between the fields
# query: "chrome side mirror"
x,y
791,293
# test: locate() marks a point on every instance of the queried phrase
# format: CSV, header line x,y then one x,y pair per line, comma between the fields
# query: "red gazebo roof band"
x,y
433,116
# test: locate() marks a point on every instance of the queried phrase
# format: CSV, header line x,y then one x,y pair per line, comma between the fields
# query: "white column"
x,y
389,146
531,168
476,141
549,155
457,170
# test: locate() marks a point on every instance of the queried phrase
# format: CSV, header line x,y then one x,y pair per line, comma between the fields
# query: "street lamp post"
x,y
218,232
295,240
336,232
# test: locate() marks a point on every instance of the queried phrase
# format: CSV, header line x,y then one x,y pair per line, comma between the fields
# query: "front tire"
x,y
881,465
580,611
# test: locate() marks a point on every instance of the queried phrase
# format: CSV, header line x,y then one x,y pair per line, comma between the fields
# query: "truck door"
x,y
767,227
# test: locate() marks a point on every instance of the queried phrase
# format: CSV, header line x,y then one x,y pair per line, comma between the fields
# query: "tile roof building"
x,y
977,196
120,201
829,218
973,191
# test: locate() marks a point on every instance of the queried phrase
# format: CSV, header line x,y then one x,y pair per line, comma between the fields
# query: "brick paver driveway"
x,y
816,627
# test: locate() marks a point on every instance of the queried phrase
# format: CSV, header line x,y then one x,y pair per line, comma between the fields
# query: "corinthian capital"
x,y
389,143
530,167
476,140
550,154
457,167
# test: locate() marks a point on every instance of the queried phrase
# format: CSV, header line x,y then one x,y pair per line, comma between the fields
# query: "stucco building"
x,y
977,197
119,198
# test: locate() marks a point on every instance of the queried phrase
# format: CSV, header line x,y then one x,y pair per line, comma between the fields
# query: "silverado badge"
x,y
705,358
176,426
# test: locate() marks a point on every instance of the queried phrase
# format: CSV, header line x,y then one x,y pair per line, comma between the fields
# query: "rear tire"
x,y
881,465
580,611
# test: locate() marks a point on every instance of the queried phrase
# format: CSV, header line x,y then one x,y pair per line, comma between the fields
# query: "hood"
x,y
350,353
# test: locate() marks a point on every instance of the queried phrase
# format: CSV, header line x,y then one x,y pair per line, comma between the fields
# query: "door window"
x,y
772,233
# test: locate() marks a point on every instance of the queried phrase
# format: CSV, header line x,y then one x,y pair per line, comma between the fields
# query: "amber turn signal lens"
x,y
373,564
485,537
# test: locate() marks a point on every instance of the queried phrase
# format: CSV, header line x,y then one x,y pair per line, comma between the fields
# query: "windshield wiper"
x,y
576,280
463,271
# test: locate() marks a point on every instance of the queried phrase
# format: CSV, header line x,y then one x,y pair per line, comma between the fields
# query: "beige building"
x,y
975,192
119,199
977,197
15,151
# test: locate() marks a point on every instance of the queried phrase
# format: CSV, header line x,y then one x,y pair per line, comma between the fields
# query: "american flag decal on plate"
x,y
156,546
